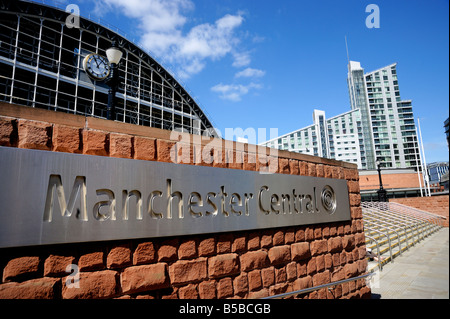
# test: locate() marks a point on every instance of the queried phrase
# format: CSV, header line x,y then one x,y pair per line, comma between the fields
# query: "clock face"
x,y
96,66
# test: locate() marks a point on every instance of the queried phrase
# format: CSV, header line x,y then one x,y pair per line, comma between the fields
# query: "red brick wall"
x,y
398,180
228,265
434,204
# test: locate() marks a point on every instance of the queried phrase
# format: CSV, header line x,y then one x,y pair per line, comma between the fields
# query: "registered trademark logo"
x,y
328,199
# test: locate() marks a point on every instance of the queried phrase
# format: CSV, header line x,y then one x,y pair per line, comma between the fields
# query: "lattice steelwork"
x,y
41,65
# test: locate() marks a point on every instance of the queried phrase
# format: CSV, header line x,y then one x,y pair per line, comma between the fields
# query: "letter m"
x,y
66,208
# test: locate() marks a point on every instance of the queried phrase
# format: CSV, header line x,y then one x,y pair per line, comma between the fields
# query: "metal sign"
x,y
50,197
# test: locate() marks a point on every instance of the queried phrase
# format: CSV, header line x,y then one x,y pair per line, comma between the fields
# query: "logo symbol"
x,y
328,199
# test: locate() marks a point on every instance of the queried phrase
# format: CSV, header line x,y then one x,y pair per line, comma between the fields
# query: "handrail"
x,y
387,236
306,290
380,264
387,227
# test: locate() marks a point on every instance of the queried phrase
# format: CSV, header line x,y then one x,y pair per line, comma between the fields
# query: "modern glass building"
x,y
379,127
45,63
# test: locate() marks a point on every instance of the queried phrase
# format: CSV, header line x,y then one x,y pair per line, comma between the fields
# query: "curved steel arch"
x,y
42,11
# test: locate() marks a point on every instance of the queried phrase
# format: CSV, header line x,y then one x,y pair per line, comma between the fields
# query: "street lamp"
x,y
382,194
114,54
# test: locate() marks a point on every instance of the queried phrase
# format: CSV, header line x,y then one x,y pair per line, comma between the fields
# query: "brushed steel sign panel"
x,y
50,197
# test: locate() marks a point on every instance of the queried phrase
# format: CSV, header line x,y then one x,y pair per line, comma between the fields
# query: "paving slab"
x,y
421,272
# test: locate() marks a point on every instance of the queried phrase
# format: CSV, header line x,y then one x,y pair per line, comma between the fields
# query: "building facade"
x,y
379,127
44,64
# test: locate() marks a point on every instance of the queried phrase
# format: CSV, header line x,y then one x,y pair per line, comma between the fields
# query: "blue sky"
x,y
269,64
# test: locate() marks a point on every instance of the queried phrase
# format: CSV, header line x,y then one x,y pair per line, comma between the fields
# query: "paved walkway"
x,y
421,272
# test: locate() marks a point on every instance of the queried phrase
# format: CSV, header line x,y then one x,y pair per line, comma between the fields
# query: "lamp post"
x,y
114,54
382,194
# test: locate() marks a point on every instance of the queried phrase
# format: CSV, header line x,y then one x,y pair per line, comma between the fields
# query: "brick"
x,y
166,151
334,244
289,236
302,268
348,242
300,235
224,288
168,250
234,159
95,142
268,164
268,276
302,166
187,250
328,171
144,253
249,162
351,174
119,257
356,212
56,265
311,266
318,233
278,238
293,167
254,280
320,171
34,135
319,247
120,145
351,270
355,199
283,165
41,288
259,294
91,261
187,271
311,169
144,148
66,139
223,265
280,275
266,239
254,260
338,274
280,254
278,289
19,267
207,247
303,283
291,271
7,131
207,289
309,234
144,278
239,244
92,285
321,278
320,263
353,186
240,284
224,243
253,241
188,292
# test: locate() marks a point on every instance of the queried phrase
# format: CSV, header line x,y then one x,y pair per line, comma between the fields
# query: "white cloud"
x,y
241,59
250,73
161,24
234,92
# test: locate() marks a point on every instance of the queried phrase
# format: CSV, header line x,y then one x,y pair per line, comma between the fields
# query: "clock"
x,y
96,66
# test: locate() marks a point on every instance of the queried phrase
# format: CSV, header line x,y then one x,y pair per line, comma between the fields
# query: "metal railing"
x,y
401,225
311,289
